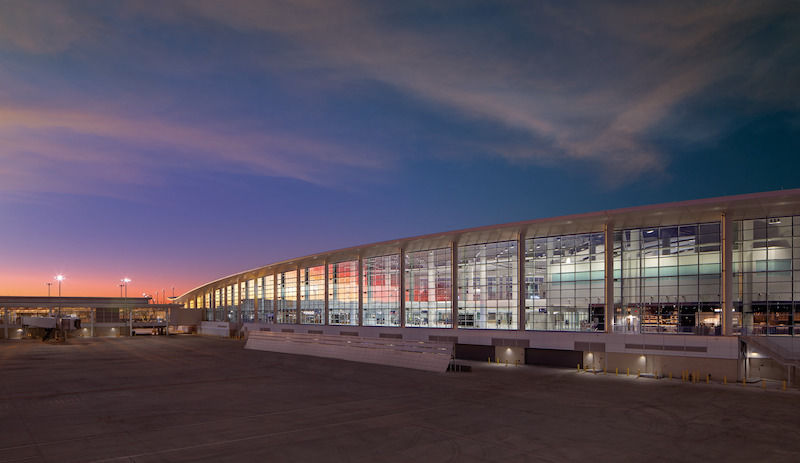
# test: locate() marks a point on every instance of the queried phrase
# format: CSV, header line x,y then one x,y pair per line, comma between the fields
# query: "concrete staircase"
x,y
783,349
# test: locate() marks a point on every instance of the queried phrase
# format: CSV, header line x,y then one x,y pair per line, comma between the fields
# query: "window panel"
x,y
343,293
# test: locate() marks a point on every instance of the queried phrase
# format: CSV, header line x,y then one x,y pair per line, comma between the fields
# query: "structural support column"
x,y
256,293
326,309
239,301
608,253
521,286
275,298
297,314
454,283
360,290
727,275
402,288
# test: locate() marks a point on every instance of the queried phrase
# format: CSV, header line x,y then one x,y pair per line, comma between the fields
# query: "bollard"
x,y
708,377
506,362
516,362
744,382
604,370
638,373
763,384
628,372
670,375
579,368
489,360
498,360
616,371
784,385
724,380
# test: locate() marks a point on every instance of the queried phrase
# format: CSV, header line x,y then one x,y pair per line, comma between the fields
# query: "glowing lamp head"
x,y
126,280
60,277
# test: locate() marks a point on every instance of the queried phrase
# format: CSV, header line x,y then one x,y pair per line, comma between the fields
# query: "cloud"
x,y
42,26
86,152
529,82
585,81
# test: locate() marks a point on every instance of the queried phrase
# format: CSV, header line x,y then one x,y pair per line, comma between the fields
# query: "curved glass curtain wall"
x,y
286,297
668,279
266,299
565,283
381,288
312,295
487,285
343,293
248,301
429,288
766,272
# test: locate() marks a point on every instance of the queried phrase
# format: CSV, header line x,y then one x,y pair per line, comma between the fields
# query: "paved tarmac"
x,y
191,398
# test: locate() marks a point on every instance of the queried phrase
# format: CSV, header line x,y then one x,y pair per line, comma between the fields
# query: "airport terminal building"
x,y
711,285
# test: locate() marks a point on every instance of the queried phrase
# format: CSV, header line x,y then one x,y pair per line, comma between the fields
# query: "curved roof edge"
x,y
751,205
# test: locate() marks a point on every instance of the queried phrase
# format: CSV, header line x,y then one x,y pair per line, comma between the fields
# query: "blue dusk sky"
x,y
177,142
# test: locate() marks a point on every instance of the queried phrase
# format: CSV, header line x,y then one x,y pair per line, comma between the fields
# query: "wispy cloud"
x,y
86,152
578,81
586,81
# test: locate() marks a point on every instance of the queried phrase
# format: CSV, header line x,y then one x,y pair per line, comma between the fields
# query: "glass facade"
x,y
487,285
248,301
266,299
287,297
208,307
428,288
670,279
381,291
219,306
343,293
766,272
565,283
312,295
232,303
664,279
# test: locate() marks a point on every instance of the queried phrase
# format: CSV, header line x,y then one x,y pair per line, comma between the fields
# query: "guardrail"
x,y
777,352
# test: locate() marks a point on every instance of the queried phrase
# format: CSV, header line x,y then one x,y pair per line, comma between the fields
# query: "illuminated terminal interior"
x,y
664,278
660,280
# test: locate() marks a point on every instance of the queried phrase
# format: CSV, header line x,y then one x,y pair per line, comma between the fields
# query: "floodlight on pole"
x,y
59,278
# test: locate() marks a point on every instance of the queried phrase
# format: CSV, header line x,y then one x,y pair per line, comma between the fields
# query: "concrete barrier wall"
x,y
420,355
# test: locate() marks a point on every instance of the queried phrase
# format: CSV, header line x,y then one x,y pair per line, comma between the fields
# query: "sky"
x,y
175,143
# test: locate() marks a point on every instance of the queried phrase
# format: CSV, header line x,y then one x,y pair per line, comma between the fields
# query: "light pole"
x,y
49,284
125,282
59,278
